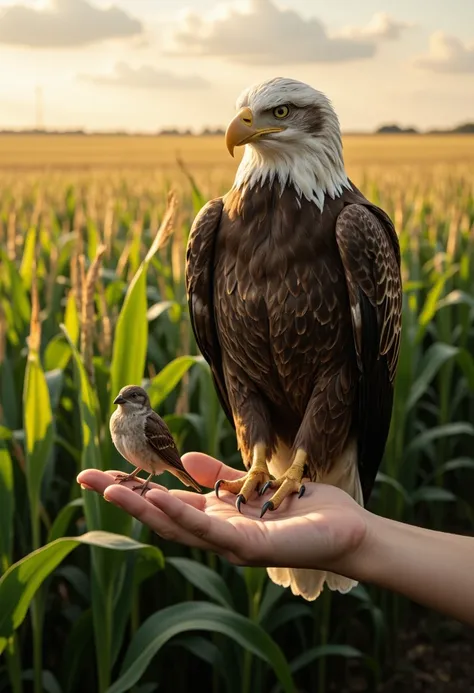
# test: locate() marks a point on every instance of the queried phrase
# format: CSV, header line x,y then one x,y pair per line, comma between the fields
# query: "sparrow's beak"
x,y
120,400
242,130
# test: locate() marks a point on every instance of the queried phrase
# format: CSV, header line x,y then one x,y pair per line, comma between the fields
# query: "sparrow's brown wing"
x,y
370,253
160,439
162,442
199,289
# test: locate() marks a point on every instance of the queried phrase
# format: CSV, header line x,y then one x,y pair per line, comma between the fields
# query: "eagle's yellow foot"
x,y
256,477
287,484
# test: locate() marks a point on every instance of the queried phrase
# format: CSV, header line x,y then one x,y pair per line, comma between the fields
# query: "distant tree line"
x,y
464,129
175,132
391,129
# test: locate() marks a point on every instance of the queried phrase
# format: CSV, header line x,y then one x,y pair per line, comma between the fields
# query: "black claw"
x,y
302,490
266,506
217,486
265,487
239,501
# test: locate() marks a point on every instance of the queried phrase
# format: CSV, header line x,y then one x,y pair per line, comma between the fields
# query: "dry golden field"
x,y
209,153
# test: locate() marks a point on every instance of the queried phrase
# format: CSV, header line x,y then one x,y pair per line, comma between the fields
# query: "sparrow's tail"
x,y
188,480
309,583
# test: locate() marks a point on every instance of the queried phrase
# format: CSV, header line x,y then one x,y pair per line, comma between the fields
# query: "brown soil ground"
x,y
433,654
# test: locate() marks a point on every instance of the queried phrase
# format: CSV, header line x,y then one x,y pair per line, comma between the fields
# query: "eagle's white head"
x,y
292,136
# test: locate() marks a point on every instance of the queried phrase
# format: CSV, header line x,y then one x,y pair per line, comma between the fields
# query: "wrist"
x,y
366,559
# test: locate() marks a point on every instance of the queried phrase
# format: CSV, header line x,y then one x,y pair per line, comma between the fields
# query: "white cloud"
x,y
266,34
447,54
65,23
381,26
147,77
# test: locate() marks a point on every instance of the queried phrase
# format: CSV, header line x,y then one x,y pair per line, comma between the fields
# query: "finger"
x,y
220,534
196,500
96,480
147,512
207,470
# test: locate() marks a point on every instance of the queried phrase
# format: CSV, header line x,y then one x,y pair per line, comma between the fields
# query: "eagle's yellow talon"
x,y
245,486
287,484
257,476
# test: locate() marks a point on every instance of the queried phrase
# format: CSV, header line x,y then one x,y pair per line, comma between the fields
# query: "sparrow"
x,y
144,439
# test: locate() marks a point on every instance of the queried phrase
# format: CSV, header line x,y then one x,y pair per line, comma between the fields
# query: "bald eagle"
x,y
294,292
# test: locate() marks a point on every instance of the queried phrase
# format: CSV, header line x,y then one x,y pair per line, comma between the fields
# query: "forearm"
x,y
435,569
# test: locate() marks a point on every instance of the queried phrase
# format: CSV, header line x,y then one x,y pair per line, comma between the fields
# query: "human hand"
x,y
324,529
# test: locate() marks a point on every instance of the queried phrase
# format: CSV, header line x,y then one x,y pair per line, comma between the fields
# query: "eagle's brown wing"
x,y
369,249
199,289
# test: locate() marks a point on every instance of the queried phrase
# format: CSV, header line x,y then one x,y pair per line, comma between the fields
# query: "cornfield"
x,y
91,298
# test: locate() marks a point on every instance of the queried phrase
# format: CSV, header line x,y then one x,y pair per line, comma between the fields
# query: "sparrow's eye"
x,y
134,395
281,111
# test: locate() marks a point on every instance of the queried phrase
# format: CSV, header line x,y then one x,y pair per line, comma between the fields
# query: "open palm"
x,y
320,530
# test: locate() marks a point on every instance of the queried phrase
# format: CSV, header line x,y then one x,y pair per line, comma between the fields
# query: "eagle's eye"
x,y
281,111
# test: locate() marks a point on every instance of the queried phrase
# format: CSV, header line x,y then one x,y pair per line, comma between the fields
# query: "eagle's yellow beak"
x,y
241,130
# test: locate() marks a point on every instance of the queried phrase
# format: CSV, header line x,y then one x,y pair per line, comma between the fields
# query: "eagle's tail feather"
x,y
309,583
304,583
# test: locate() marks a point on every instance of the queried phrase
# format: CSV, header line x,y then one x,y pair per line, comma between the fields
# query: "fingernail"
x,y
114,502
86,487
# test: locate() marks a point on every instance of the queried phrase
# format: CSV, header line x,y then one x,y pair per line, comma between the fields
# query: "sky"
x,y
144,65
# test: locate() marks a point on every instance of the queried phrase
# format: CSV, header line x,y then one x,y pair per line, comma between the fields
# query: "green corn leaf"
x,y
9,397
20,583
438,432
5,433
198,198
161,307
77,578
451,466
71,318
314,653
466,362
92,239
432,494
74,651
286,613
131,336
55,382
48,681
26,268
431,304
7,507
155,632
99,515
455,298
16,293
394,483
38,427
272,595
437,355
166,380
56,354
88,408
63,519
205,579
211,654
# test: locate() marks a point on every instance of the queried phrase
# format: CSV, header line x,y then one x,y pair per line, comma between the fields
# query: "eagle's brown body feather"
x,y
298,313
